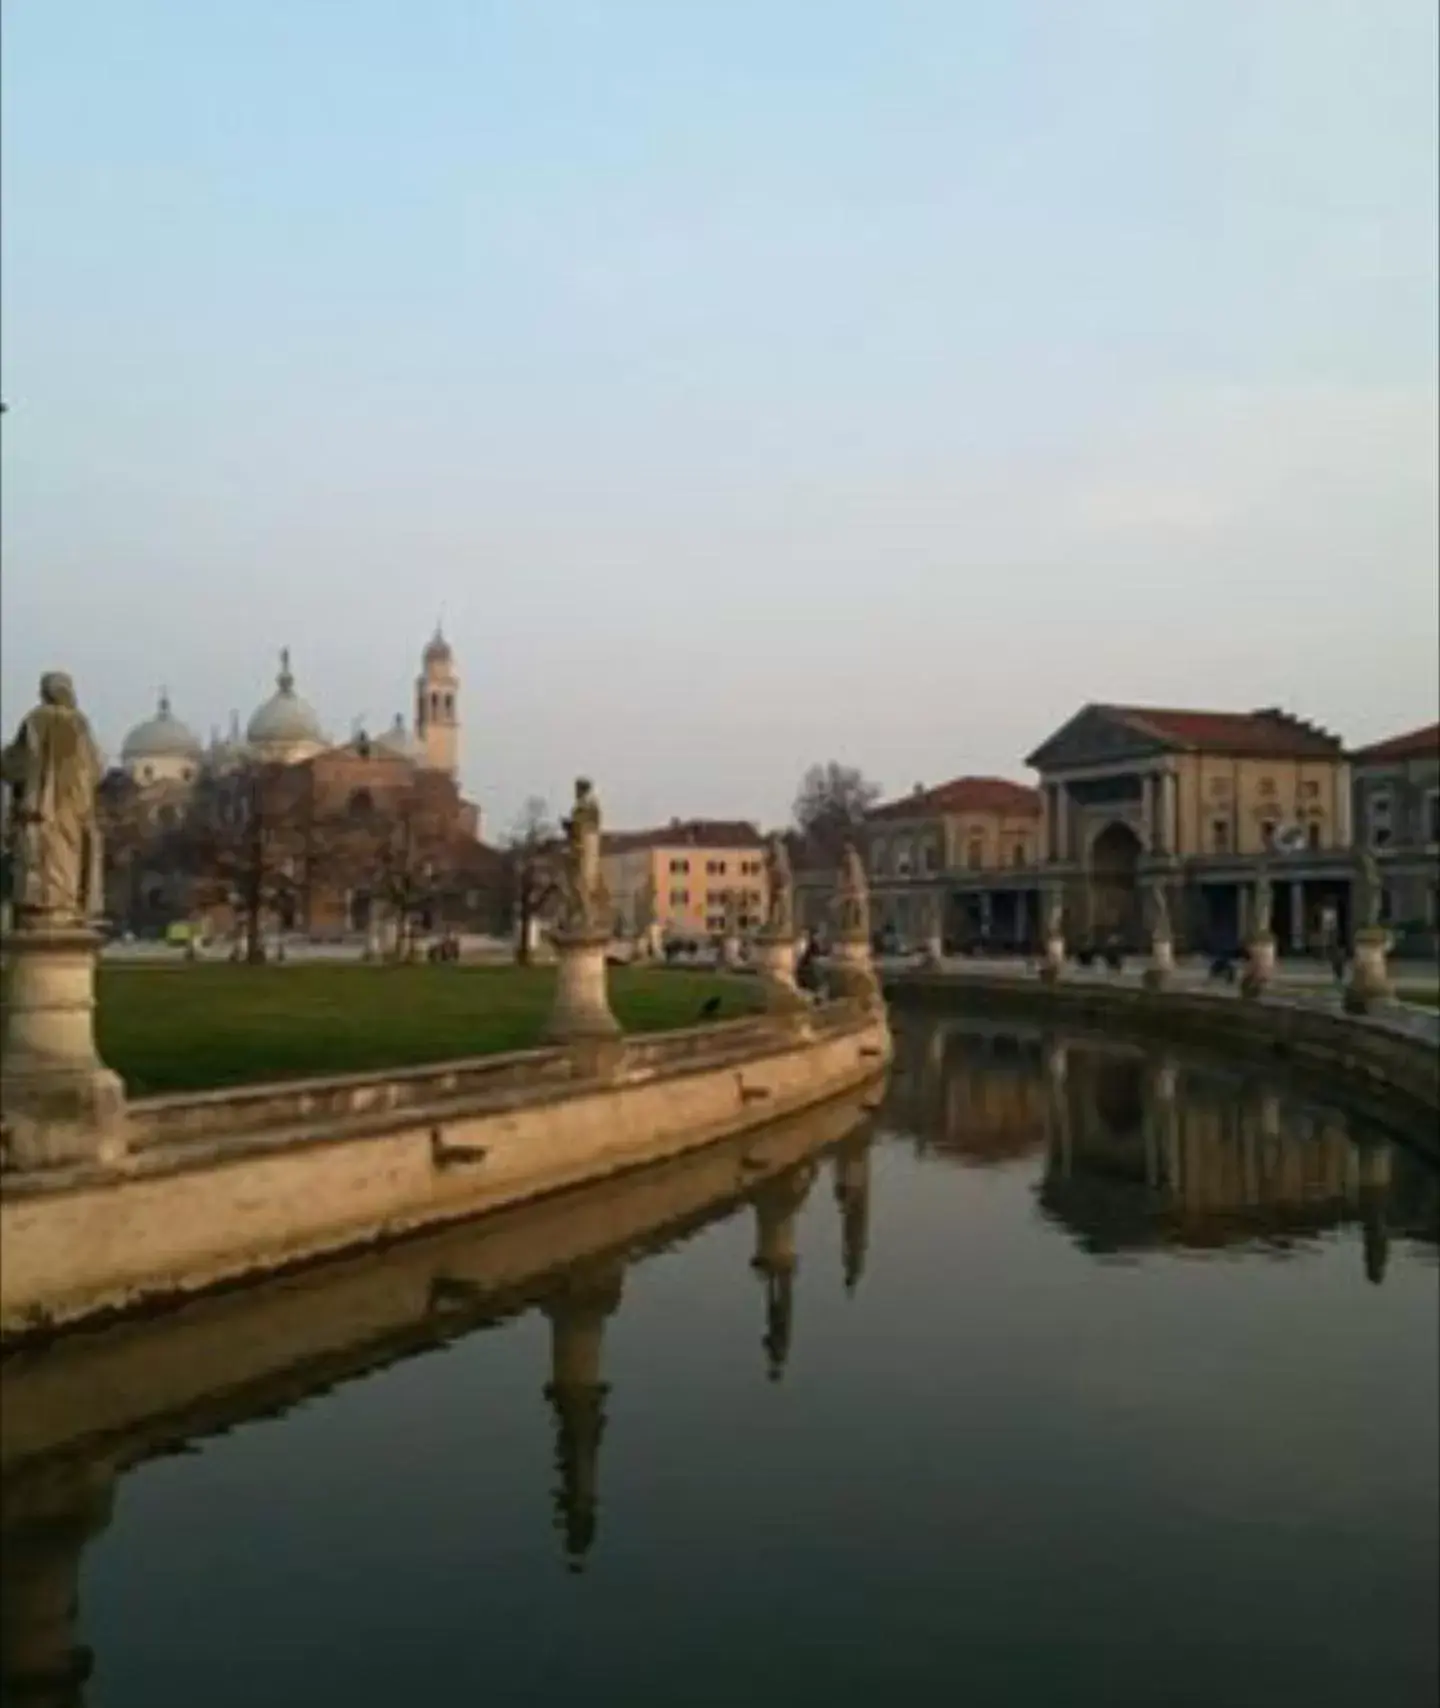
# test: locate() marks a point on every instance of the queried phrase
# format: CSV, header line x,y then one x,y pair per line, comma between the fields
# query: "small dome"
x,y
285,719
398,742
160,737
437,650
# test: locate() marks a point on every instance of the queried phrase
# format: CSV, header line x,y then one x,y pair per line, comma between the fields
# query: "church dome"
x,y
160,737
285,720
398,742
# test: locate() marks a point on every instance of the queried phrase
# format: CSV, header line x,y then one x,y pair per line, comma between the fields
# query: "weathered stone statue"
x,y
584,903
1159,912
780,908
852,898
52,769
1369,891
1264,904
1054,915
582,1007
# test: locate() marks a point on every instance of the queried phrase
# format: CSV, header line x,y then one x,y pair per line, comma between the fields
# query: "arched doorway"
x,y
1114,885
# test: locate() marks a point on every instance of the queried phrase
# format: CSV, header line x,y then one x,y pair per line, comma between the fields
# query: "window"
x,y
362,804
1313,832
679,898
925,858
1220,836
1267,833
1432,816
1310,791
975,854
1267,786
1018,853
902,859
147,772
681,867
715,868
449,705
1379,809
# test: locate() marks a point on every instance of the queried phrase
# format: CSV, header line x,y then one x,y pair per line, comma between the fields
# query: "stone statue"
x,y
1159,912
584,903
1055,915
1264,904
52,769
780,911
1369,890
852,899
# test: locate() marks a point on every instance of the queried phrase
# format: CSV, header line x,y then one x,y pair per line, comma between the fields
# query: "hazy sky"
x,y
749,382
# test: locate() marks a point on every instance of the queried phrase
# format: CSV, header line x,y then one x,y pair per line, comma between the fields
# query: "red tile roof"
x,y
686,833
964,794
1265,734
1423,743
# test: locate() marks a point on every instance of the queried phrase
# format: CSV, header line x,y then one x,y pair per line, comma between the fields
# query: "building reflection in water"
x,y
1129,1152
1142,1151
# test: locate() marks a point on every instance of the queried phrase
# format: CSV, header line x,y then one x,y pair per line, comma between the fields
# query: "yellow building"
x,y
684,875
1194,801
969,848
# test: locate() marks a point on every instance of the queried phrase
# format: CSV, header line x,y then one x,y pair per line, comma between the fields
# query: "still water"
x,y
1072,1375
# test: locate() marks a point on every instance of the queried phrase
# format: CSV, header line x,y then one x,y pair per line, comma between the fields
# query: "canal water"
x,y
1074,1375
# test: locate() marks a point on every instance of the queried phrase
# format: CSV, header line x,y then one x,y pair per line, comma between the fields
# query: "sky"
x,y
747,382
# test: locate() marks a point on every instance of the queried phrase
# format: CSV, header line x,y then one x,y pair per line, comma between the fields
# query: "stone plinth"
x,y
853,970
1052,964
582,997
59,1102
775,961
1259,966
1162,963
1369,978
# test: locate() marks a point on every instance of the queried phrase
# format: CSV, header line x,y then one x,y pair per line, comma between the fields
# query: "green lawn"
x,y
187,1028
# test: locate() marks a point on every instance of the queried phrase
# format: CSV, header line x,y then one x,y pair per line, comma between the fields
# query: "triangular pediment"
x,y
1096,735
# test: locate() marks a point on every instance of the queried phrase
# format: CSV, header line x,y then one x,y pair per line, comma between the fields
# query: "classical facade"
x,y
1397,816
685,875
1195,803
964,853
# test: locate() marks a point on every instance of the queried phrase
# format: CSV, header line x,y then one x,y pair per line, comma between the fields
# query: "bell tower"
x,y
437,706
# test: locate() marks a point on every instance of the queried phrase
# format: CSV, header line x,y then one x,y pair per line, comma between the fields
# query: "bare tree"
x,y
830,807
404,848
249,846
530,851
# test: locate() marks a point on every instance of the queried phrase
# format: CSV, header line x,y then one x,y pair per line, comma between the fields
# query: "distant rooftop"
x,y
1422,743
960,795
686,833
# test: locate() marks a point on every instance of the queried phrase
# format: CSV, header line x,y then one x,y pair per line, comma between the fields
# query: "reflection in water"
x,y
1122,1153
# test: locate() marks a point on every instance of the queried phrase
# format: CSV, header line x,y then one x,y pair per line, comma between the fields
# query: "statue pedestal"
x,y
853,970
582,999
1053,963
1369,979
58,1101
1162,963
1260,967
775,961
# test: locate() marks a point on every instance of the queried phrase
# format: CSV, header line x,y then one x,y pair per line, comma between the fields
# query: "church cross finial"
x,y
285,679
164,702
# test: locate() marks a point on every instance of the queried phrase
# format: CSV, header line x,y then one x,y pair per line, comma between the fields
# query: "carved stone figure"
x,y
852,899
52,769
1369,890
584,903
1054,915
1264,904
780,914
1159,912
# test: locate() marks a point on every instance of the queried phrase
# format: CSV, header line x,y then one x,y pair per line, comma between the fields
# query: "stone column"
x,y
578,1314
777,1204
59,1103
1344,808
1297,916
1062,822
1148,810
582,995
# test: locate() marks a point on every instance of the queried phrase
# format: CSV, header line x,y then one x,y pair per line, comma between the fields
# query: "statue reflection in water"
x,y
578,1314
777,1205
